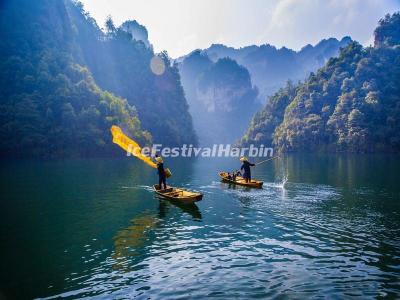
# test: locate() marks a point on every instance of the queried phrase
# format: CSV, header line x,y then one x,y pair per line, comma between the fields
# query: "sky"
x,y
180,26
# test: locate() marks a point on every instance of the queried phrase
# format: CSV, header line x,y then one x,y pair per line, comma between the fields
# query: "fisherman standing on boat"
x,y
162,179
246,168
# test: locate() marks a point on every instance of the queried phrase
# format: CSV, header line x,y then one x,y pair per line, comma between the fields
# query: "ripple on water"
x,y
298,241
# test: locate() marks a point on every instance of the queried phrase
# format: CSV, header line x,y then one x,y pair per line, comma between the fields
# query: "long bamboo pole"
x,y
264,161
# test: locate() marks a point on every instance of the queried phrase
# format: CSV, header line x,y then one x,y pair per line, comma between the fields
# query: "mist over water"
x,y
322,226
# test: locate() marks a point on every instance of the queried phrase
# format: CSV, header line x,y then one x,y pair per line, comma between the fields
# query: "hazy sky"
x,y
180,26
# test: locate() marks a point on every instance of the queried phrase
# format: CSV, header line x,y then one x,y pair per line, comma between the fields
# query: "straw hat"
x,y
243,158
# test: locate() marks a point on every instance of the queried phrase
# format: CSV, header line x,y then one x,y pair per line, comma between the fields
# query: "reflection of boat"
x,y
192,209
241,181
177,194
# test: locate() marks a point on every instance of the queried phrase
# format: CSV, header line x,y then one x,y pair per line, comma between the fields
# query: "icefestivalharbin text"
x,y
217,150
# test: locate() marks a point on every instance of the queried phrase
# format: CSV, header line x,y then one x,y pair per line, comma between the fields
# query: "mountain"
x,y
121,61
270,67
137,31
221,97
56,67
350,104
50,104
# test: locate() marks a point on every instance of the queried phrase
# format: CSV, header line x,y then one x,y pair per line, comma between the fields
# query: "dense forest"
x,y
120,60
271,67
351,104
221,96
62,80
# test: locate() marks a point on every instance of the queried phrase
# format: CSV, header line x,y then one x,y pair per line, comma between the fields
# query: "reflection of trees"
x,y
343,170
129,241
335,170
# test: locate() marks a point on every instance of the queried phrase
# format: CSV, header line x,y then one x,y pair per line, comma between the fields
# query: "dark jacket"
x,y
246,169
160,169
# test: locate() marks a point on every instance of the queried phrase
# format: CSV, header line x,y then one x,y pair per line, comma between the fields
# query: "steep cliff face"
x,y
221,97
270,68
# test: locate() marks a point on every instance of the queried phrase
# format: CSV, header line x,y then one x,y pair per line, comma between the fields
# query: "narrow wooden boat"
x,y
178,194
241,181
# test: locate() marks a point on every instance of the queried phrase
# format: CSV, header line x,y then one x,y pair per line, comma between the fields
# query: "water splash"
x,y
283,182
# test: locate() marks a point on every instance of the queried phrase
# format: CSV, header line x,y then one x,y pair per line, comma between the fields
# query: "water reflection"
x,y
191,209
331,232
131,241
232,186
128,241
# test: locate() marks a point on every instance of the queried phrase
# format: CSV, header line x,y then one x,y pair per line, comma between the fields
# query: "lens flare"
x,y
157,65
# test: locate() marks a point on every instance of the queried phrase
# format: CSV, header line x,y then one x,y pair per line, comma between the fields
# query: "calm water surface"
x,y
93,228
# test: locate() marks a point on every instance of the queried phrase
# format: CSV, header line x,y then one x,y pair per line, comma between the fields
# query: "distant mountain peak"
x,y
307,47
346,39
138,31
270,67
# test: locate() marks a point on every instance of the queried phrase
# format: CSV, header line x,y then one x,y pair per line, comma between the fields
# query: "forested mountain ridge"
x,y
271,67
221,97
351,104
56,63
50,105
120,60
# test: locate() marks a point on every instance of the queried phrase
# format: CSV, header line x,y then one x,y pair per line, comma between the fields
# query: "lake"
x,y
322,226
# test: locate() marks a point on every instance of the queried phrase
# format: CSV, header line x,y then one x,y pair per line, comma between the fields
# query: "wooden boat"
x,y
241,181
177,194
